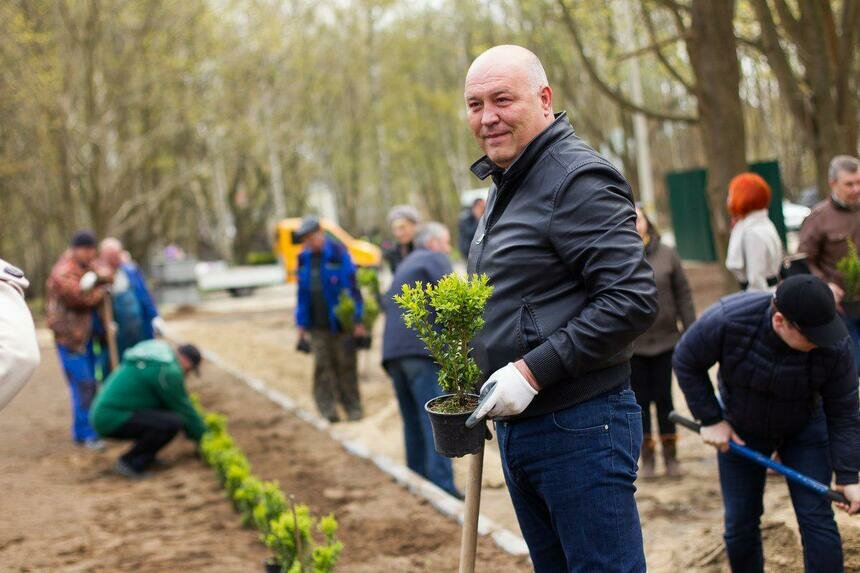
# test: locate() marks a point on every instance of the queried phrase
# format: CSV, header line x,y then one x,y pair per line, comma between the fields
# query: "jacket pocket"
x,y
529,331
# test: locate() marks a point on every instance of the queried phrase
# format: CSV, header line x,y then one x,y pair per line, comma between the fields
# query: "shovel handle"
x,y
684,421
763,460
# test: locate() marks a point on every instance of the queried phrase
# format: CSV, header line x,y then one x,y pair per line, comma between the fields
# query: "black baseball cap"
x,y
191,352
308,225
83,238
808,303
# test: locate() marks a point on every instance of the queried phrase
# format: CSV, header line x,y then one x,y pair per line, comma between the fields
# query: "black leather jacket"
x,y
572,288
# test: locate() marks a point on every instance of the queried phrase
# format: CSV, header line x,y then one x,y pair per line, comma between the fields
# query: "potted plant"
x,y
849,267
446,317
368,284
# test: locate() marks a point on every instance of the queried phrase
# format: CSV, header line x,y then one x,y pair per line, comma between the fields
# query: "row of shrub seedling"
x,y
300,542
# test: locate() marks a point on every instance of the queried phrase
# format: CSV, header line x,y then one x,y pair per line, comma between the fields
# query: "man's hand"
x,y
303,344
158,326
719,434
506,393
852,492
838,293
359,331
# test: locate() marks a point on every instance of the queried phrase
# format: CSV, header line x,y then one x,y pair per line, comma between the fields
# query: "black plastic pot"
x,y
271,566
450,435
363,342
851,308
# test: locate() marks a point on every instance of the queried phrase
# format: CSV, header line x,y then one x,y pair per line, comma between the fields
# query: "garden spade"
x,y
469,541
110,330
763,460
87,283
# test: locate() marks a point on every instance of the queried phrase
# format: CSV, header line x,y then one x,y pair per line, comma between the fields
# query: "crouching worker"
x,y
145,400
787,384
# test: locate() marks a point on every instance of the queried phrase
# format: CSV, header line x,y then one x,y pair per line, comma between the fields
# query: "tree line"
x,y
202,122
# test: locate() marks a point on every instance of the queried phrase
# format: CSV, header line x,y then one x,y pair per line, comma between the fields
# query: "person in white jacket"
x,y
19,352
755,250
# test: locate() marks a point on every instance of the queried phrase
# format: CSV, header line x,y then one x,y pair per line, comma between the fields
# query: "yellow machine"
x,y
363,254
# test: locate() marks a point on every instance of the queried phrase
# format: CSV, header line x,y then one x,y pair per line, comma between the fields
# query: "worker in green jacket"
x,y
145,400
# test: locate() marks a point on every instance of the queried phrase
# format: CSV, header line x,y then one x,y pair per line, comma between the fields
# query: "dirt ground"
x,y
682,518
63,509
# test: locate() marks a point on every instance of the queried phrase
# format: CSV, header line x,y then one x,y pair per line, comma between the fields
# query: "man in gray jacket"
x,y
414,374
572,290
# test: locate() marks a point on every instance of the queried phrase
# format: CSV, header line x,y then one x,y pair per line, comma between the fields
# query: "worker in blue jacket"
x,y
134,311
325,271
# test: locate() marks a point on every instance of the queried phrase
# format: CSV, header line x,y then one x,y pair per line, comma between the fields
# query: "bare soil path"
x,y
682,519
64,510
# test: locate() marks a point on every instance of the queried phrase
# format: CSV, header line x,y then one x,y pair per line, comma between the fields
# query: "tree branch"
x,y
791,24
778,61
614,93
657,49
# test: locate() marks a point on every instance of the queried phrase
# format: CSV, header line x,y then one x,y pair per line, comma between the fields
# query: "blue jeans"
x,y
416,381
853,326
743,483
80,373
570,474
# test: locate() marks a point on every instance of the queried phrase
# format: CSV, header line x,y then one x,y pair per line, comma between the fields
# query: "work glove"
x,y
88,281
303,345
506,393
158,326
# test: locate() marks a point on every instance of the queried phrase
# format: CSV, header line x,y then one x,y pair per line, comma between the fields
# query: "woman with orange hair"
x,y
755,250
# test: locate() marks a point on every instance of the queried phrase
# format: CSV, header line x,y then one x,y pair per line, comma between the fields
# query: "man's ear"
x,y
546,99
778,319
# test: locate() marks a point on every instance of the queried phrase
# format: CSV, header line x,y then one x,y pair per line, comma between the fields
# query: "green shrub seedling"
x,y
446,317
849,267
287,529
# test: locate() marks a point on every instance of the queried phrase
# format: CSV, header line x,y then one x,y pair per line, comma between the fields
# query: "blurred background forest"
x,y
202,122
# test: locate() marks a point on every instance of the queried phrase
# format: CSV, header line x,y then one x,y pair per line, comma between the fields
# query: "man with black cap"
x,y
70,307
787,384
326,271
145,400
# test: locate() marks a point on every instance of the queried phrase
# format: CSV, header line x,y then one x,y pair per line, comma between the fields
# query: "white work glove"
x,y
506,393
88,281
158,326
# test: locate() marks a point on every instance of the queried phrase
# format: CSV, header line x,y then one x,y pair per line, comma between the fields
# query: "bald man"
x,y
572,291
133,309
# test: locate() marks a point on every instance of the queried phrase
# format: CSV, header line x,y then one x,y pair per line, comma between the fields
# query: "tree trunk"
x,y
714,59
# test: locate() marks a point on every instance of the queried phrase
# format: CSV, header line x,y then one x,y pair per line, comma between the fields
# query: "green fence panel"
x,y
769,171
691,218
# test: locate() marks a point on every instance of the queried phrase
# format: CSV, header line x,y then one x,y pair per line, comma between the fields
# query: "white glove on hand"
x,y
506,393
158,326
88,281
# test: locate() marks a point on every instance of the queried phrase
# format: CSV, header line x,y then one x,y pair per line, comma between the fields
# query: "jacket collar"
x,y
559,128
842,206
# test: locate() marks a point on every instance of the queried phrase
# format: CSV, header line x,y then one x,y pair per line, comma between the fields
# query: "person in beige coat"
x,y
19,352
651,364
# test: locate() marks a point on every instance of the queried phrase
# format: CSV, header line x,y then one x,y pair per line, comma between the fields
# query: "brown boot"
x,y
670,455
646,458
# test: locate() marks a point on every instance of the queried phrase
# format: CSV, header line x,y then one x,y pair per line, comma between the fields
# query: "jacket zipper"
x,y
483,236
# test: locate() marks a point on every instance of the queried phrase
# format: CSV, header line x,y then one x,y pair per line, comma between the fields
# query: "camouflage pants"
x,y
335,374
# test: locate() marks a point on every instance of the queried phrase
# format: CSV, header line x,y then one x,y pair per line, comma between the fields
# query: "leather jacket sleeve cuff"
x,y
545,364
711,420
846,478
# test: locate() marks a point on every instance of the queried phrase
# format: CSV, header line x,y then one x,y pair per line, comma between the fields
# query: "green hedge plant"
x,y
301,543
849,267
446,317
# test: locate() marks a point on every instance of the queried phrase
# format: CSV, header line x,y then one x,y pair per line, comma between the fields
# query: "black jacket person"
x,y
572,290
787,383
